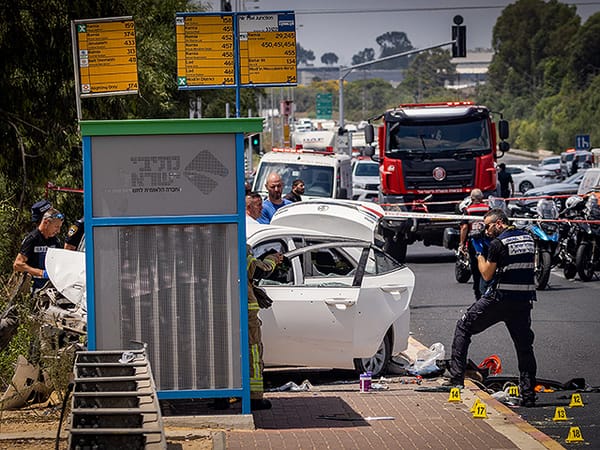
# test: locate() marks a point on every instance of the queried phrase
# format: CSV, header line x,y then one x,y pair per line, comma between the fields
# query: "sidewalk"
x,y
338,416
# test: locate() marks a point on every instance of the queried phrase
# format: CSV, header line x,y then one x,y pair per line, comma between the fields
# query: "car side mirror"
x,y
504,146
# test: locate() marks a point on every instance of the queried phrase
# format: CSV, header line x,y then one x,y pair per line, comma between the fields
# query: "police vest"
x,y
517,273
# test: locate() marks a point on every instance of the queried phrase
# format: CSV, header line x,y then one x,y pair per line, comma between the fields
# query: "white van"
x,y
325,174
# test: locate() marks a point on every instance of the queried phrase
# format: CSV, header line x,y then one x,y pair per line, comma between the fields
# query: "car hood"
x,y
365,180
66,270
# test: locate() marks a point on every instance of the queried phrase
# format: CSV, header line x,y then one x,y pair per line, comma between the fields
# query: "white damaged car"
x,y
337,302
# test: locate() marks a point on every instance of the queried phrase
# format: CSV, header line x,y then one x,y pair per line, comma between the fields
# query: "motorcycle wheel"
x,y
569,271
543,265
462,268
584,262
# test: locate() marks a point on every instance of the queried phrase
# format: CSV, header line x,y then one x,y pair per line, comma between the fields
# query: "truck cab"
x,y
325,174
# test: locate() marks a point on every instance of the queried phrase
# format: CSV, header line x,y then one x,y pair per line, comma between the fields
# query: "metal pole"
x,y
344,72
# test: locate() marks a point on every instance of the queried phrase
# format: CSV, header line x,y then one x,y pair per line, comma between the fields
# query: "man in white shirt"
x,y
253,207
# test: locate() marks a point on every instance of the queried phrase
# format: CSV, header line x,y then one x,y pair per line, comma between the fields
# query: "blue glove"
x,y
477,245
45,275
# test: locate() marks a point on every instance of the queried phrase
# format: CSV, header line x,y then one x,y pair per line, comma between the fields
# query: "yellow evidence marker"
x,y
474,407
574,435
513,391
454,395
576,400
480,411
560,413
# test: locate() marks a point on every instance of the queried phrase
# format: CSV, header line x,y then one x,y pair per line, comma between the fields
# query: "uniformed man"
x,y
257,269
510,262
31,258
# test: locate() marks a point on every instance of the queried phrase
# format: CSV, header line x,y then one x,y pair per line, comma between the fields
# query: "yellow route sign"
x,y
106,56
235,49
267,48
205,50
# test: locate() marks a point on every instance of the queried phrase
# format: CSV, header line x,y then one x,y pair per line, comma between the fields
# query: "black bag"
x,y
264,301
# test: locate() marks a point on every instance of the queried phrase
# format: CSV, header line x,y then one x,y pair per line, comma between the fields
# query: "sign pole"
x,y
76,69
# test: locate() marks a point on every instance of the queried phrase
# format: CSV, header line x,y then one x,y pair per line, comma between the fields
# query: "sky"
x,y
346,27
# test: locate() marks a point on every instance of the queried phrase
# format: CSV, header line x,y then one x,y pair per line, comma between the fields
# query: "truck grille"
x,y
419,174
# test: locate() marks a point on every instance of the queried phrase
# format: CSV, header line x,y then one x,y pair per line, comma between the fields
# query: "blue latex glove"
x,y
45,275
477,245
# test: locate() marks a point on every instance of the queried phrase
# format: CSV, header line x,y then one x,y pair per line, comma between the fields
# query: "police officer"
x,y
32,256
510,262
74,235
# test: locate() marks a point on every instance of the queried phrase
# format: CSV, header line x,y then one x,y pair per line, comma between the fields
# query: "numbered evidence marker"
x,y
560,413
480,411
576,400
574,435
475,404
513,391
454,395
107,56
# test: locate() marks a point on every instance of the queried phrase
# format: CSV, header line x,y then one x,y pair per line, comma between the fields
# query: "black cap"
x,y
38,209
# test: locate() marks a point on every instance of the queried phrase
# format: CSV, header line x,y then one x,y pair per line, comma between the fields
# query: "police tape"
x,y
455,217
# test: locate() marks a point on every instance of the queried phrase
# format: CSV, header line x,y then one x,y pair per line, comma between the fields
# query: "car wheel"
x,y
376,364
525,186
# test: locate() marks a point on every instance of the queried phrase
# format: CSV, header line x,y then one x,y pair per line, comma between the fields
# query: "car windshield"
x,y
367,170
434,139
318,180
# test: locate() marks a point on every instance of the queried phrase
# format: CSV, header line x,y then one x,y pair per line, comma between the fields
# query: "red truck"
x,y
430,157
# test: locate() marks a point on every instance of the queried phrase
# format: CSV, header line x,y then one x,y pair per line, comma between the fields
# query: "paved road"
x,y
565,321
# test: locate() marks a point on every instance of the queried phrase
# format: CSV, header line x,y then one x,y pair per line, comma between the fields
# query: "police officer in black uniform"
x,y
31,258
74,235
510,262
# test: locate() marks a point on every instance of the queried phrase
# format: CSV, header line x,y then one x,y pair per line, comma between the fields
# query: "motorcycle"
x,y
587,259
570,236
545,236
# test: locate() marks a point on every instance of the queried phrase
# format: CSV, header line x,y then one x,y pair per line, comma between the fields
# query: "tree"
x,y
526,36
329,59
428,72
366,55
584,59
304,56
392,43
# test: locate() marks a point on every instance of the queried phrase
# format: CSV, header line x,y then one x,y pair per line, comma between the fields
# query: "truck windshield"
x,y
318,180
427,140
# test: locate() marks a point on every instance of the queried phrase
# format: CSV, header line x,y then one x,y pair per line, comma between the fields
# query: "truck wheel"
x,y
543,264
584,262
396,247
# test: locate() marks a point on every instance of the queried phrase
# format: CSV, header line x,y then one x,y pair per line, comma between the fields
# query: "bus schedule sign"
x,y
236,49
267,48
106,56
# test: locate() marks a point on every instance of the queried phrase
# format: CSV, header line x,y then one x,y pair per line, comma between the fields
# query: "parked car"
x,y
566,187
337,302
365,179
551,164
526,178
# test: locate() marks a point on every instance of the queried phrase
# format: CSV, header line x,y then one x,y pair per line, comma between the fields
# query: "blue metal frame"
x,y
239,218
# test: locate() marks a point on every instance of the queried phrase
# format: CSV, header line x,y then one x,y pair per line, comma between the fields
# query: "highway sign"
x,y
205,50
582,142
324,106
267,43
106,56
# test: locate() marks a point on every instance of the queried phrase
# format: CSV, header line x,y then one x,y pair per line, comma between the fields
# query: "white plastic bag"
x,y
425,363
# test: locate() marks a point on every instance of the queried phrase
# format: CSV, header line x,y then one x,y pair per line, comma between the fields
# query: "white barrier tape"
x,y
455,217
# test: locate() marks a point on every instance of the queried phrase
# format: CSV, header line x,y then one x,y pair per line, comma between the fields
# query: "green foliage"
x,y
365,55
329,59
392,43
428,72
304,56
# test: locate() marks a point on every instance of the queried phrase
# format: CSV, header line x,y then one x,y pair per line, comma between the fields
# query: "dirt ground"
x,y
43,422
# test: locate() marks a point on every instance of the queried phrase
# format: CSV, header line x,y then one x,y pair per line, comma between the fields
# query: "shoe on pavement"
x,y
258,404
528,402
